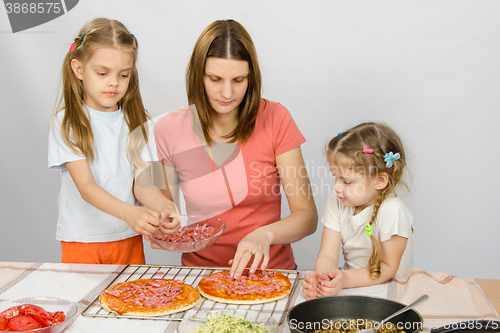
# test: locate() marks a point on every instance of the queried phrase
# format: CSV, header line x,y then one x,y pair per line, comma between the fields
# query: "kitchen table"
x,y
83,283
492,290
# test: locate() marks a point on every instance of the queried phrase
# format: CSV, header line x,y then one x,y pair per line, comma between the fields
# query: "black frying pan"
x,y
313,314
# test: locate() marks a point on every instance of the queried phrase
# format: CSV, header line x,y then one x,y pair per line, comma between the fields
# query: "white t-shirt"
x,y
79,221
394,218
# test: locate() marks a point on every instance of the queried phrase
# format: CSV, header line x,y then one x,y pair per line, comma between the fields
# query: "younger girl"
x,y
99,217
363,213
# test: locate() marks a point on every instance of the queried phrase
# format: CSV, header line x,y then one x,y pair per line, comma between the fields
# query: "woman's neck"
x,y
222,125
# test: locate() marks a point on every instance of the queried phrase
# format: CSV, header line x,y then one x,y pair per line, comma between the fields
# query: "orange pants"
x,y
122,252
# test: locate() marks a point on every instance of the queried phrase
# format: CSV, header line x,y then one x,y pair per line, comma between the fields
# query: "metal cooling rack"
x,y
191,275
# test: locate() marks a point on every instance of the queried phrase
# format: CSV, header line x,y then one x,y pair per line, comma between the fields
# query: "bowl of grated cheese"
x,y
229,320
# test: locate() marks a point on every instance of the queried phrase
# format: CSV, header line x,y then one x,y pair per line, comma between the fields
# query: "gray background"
x,y
430,69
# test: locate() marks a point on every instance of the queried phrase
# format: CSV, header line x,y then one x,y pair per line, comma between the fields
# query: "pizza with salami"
x,y
149,297
250,288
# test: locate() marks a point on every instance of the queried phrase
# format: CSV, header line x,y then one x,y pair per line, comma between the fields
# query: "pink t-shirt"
x,y
241,185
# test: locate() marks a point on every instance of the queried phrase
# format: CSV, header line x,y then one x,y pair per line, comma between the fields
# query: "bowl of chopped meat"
x,y
196,233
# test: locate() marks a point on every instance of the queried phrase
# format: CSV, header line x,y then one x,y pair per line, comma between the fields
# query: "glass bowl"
x,y
190,222
192,323
50,304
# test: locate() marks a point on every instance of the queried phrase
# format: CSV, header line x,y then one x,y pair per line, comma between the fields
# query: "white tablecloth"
x,y
83,283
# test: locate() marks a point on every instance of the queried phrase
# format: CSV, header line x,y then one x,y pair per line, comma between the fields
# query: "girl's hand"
x,y
330,284
169,216
142,220
169,223
256,244
309,285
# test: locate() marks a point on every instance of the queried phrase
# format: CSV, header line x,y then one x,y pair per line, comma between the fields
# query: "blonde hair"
x,y
225,39
382,139
75,128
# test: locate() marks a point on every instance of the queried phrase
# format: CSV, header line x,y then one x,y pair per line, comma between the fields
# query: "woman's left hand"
x,y
256,244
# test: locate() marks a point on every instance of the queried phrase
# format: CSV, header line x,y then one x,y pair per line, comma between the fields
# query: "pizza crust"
x,y
242,301
206,289
187,299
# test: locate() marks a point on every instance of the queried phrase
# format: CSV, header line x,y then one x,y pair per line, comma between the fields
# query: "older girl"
x,y
99,217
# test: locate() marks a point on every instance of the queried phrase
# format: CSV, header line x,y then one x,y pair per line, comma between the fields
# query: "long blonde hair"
x,y
75,127
382,139
225,39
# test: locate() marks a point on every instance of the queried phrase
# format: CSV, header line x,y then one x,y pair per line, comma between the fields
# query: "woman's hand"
x,y
330,284
256,244
153,244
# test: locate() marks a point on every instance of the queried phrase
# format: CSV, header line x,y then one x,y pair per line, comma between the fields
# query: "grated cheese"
x,y
223,323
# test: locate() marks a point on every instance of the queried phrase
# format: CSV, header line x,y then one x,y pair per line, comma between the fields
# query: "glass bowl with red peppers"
x,y
196,233
37,314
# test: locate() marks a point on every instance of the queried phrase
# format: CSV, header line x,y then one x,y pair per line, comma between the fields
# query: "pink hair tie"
x,y
367,150
72,47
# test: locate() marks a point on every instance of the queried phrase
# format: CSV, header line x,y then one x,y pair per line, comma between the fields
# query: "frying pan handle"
x,y
419,301
482,325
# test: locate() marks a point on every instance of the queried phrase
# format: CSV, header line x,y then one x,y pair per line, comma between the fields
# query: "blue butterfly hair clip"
x,y
390,157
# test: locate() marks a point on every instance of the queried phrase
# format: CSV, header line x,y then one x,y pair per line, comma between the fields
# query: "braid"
x,y
365,147
376,256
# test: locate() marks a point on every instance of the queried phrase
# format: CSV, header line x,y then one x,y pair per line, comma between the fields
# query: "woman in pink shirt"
x,y
230,152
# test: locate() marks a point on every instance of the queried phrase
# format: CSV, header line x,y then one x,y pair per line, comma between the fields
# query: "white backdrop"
x,y
429,68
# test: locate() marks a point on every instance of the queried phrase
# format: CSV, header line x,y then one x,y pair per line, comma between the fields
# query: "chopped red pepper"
x,y
27,317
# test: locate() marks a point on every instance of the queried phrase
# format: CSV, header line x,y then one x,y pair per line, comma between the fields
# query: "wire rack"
x,y
191,275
